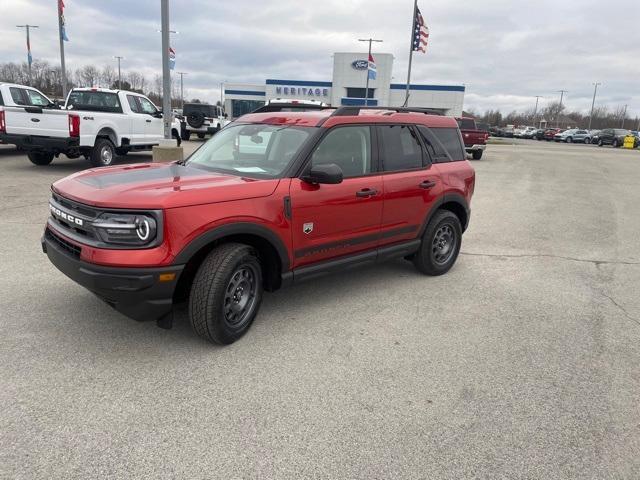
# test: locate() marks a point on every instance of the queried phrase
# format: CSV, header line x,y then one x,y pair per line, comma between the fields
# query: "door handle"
x,y
427,184
35,120
148,121
366,192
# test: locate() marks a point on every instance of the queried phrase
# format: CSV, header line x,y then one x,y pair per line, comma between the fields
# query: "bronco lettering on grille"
x,y
65,216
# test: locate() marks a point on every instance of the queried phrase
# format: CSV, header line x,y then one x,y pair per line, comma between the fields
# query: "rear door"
x,y
137,122
411,183
330,221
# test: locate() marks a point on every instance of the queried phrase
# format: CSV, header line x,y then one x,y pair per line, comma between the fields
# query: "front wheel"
x,y
587,141
226,293
40,158
477,154
615,143
569,140
600,143
102,153
440,244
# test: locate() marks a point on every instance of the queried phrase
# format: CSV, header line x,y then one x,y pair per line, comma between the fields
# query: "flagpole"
x,y
413,27
63,71
366,90
29,57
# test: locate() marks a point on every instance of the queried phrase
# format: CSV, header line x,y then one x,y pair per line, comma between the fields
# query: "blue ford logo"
x,y
360,64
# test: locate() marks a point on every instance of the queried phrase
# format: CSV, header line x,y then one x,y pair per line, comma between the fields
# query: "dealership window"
x,y
353,92
242,107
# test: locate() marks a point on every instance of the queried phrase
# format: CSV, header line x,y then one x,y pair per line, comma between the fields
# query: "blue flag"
x,y
372,69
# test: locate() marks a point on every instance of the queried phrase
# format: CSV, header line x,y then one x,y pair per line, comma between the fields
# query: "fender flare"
x,y
446,198
110,134
240,228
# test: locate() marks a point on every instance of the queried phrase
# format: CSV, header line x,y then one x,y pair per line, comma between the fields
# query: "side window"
x,y
147,106
451,141
435,149
133,104
401,148
1,100
18,96
37,99
347,147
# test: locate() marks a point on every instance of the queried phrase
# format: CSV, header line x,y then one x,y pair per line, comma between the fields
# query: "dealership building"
x,y
347,87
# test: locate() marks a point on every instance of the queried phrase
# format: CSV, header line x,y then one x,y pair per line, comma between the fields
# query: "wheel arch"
x,y
453,202
108,132
271,250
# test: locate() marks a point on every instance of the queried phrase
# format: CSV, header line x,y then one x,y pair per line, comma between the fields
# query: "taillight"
x,y
74,126
3,125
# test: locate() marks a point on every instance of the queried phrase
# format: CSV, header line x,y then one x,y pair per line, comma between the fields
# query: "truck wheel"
x,y
226,293
615,143
600,143
102,153
174,134
201,135
440,244
186,135
477,154
40,158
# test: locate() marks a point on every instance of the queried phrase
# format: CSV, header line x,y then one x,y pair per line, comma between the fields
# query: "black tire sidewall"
x,y
40,158
423,259
96,157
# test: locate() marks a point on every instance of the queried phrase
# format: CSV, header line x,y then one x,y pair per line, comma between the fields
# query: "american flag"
x,y
63,26
420,33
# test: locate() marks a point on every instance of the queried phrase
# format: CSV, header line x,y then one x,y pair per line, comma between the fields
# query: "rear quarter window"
x,y
443,144
94,101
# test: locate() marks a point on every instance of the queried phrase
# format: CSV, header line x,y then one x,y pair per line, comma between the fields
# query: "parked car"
x,y
202,119
573,135
328,189
475,141
613,137
550,133
507,132
528,132
595,136
539,134
97,123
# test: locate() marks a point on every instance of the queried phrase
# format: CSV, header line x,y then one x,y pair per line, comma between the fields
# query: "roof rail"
x,y
351,111
281,107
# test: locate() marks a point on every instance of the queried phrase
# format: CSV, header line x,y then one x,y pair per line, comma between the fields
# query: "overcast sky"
x,y
504,51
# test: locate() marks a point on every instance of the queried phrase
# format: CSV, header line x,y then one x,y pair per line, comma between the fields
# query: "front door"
x,y
137,121
154,126
330,221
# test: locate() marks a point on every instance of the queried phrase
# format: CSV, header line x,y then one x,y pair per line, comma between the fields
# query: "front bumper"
x,y
35,142
475,147
137,293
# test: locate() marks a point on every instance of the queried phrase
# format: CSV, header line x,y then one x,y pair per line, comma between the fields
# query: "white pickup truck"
x,y
95,122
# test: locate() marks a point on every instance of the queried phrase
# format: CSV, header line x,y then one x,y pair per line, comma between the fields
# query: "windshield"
x,y
258,150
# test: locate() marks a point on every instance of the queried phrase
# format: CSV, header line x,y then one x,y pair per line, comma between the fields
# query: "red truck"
x,y
475,141
272,199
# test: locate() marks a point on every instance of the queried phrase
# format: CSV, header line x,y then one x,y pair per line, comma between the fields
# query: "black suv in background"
x,y
614,137
202,119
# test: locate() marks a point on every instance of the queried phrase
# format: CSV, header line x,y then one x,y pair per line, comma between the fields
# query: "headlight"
x,y
126,228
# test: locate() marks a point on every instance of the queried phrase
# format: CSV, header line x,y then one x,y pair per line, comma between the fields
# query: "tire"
x,y
122,151
174,135
600,144
186,135
201,135
195,119
615,143
569,140
587,141
40,158
216,312
433,258
477,154
102,153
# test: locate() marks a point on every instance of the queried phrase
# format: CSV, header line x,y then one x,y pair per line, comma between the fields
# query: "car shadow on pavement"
x,y
66,166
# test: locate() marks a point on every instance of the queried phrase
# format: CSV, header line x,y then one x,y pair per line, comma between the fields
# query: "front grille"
x,y
86,213
64,245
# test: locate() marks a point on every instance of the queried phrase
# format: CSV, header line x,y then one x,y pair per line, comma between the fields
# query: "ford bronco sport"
x,y
274,198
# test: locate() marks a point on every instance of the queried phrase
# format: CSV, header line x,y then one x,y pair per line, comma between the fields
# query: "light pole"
x,y
593,102
182,74
624,115
562,92
366,90
166,72
29,59
535,110
119,76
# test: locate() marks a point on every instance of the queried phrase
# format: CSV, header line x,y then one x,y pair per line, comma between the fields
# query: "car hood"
x,y
158,186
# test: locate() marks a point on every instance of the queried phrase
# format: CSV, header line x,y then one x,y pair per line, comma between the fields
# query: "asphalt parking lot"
x,y
522,362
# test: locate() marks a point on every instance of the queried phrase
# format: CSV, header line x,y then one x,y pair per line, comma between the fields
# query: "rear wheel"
x,y
477,154
587,141
201,135
600,143
569,140
615,143
40,158
440,244
103,153
226,293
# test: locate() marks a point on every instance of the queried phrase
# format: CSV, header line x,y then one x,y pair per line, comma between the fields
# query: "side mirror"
x,y
158,114
328,173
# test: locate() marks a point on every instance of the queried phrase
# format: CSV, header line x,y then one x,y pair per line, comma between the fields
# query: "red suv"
x,y
273,198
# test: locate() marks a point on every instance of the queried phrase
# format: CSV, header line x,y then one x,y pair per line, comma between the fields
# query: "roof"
x,y
326,119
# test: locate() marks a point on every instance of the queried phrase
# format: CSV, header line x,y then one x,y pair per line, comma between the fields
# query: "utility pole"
x,y
182,74
535,110
366,90
29,58
624,115
166,72
562,92
593,102
117,57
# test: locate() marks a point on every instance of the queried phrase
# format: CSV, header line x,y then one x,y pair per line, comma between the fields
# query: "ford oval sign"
x,y
360,64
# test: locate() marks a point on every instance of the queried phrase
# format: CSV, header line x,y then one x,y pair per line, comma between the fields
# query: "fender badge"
x,y
307,228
